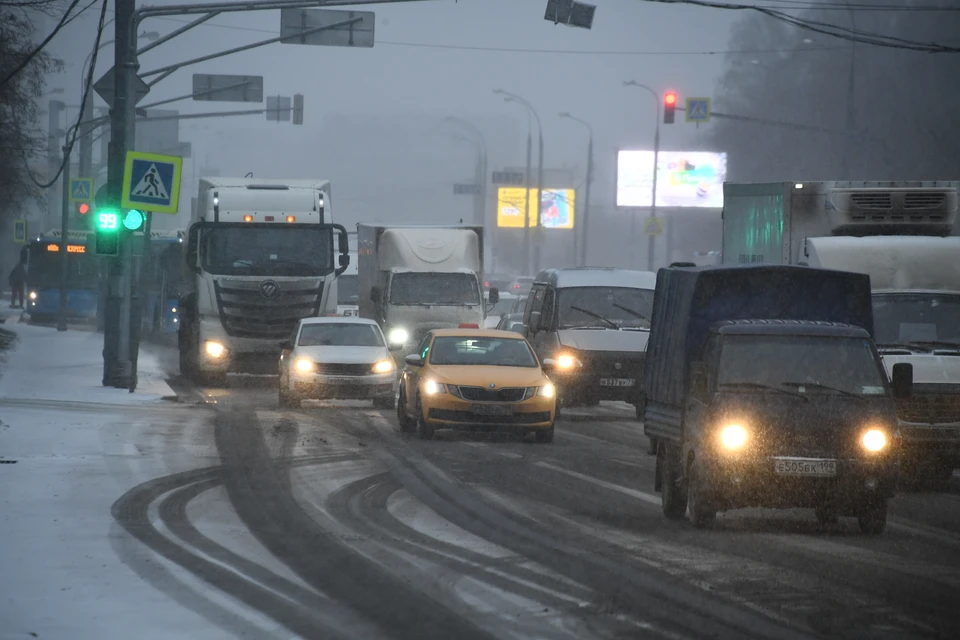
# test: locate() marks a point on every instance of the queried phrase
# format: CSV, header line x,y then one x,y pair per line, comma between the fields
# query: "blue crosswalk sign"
x,y
81,189
698,110
20,231
151,182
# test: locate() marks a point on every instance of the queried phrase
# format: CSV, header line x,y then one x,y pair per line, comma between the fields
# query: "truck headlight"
x,y
873,440
304,365
214,349
384,366
733,436
432,388
398,335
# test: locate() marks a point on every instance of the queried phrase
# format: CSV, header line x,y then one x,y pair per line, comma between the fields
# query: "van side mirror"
x,y
902,382
534,323
414,360
376,294
698,379
494,295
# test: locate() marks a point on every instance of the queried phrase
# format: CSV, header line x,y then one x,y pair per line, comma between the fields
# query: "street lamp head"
x,y
149,35
499,91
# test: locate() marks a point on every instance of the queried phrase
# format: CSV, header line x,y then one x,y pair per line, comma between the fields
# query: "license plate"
x,y
329,380
617,382
811,468
492,410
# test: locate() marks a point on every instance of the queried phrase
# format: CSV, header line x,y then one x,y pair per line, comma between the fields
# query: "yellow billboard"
x,y
556,207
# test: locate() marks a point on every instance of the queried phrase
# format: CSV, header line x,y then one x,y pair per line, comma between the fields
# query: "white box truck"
x,y
260,255
413,279
898,233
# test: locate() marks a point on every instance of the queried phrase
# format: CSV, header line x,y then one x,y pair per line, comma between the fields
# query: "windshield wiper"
x,y
597,316
634,313
817,385
757,385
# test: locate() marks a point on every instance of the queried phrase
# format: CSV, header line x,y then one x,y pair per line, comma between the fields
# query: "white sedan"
x,y
337,358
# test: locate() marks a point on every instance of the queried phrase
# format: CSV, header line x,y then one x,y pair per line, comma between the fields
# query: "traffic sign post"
x,y
151,182
698,110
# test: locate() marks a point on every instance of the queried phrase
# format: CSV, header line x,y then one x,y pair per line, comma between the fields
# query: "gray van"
x,y
594,322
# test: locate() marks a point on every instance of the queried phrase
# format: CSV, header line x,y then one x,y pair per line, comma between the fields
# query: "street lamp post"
x,y
510,97
656,159
582,256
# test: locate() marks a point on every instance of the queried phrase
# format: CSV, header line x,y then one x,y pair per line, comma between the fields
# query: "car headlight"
x,y
33,295
733,436
873,440
547,391
398,335
565,362
304,365
384,366
432,388
214,349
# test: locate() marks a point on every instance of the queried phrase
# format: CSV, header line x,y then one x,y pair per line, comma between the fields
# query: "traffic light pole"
x,y
64,222
651,241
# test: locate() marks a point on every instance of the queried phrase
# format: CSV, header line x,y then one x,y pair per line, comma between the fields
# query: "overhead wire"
x,y
36,51
71,139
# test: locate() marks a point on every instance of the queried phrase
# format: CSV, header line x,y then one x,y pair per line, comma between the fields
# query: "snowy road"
x,y
222,516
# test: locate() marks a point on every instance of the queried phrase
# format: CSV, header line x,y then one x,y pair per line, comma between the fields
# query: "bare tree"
x,y
20,136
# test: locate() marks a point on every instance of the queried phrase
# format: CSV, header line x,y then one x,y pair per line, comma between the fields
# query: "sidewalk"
x,y
67,366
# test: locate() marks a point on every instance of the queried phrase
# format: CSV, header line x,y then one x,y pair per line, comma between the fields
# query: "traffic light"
x,y
134,220
83,208
669,107
107,232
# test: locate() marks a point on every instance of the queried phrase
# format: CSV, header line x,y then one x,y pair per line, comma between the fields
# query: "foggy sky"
x,y
397,79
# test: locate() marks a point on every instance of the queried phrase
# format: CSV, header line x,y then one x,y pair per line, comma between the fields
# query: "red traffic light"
x,y
83,208
670,98
669,107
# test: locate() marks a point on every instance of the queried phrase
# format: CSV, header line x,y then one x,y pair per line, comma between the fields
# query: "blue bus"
x,y
163,284
44,274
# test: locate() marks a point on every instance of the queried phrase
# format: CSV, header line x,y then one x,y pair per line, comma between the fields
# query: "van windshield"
x,y
803,364
911,318
620,307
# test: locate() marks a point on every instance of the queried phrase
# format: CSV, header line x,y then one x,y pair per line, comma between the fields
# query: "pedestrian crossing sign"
x,y
151,182
81,189
698,110
20,231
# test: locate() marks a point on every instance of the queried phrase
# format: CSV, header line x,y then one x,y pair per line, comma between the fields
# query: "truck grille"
x,y
930,409
479,394
246,313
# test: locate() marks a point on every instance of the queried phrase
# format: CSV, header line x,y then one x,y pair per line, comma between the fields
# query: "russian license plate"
x,y
804,467
332,380
617,382
492,410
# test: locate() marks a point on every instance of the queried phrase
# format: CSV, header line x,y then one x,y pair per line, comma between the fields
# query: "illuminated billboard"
x,y
684,178
556,208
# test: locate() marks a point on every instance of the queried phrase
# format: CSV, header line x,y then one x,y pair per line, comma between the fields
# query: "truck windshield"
x,y
911,318
348,289
340,334
804,364
43,269
268,250
623,307
434,289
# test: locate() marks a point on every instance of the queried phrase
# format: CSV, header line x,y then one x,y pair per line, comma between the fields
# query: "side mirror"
x,y
534,322
414,360
376,294
192,254
286,345
698,379
494,295
902,380
548,364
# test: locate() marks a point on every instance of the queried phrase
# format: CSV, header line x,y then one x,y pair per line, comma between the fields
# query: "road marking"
x,y
633,493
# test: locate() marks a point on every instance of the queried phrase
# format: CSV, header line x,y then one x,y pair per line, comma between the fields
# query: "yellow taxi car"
x,y
476,379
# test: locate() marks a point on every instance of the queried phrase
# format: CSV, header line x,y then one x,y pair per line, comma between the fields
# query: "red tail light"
x,y
486,284
468,325
516,286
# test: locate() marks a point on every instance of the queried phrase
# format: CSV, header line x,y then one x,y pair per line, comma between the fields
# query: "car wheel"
x,y
406,424
424,430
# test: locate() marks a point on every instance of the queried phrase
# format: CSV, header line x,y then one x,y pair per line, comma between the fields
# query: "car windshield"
x,y
44,267
608,307
917,318
496,352
348,289
434,289
340,334
816,364
268,250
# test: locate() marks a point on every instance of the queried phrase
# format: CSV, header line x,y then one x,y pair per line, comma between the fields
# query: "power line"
x,y
33,54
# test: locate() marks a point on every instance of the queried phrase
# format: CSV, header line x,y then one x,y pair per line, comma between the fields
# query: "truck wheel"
x,y
873,516
703,513
673,492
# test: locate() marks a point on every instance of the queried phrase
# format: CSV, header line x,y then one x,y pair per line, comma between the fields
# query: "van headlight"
x,y
733,437
305,365
33,295
398,335
566,362
384,366
214,349
873,440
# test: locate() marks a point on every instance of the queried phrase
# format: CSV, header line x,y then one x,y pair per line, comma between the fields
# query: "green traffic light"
x,y
133,220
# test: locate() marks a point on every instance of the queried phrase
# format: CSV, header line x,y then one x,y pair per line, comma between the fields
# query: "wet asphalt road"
x,y
381,535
